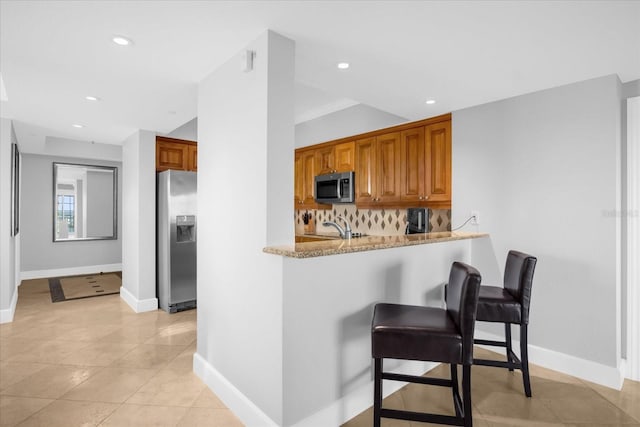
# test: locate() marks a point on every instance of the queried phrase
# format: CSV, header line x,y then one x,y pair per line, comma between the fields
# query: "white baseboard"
x,y
335,414
70,271
7,314
605,375
139,306
234,399
361,399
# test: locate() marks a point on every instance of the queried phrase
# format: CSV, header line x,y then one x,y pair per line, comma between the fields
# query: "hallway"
x,y
93,362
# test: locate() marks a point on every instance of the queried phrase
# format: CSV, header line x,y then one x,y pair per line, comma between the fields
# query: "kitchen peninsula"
x,y
335,246
329,290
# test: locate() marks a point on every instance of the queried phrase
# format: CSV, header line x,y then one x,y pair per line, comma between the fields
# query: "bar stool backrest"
x,y
518,279
462,303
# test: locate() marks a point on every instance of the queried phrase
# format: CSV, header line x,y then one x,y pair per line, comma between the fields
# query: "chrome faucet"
x,y
345,232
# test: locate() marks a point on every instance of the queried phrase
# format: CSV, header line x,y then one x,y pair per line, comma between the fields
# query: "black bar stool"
x,y
429,334
510,305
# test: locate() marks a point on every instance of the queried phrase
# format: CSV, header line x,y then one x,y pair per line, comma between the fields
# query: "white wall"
x,y
41,257
188,131
544,171
139,222
632,215
350,121
629,90
9,245
245,124
82,149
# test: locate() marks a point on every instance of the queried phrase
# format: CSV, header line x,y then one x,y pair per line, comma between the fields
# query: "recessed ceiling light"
x,y
343,65
122,41
78,126
430,101
91,98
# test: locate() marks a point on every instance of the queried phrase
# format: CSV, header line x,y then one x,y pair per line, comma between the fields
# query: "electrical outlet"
x,y
475,217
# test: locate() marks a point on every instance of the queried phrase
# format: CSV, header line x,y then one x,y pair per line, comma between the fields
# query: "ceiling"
x,y
54,53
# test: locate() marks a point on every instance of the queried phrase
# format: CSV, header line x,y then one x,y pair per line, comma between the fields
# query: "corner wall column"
x,y
139,222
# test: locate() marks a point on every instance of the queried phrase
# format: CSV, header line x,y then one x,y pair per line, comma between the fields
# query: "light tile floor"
x,y
93,362
498,400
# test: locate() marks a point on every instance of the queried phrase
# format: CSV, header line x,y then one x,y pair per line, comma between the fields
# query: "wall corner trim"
x,y
234,399
7,314
608,376
139,306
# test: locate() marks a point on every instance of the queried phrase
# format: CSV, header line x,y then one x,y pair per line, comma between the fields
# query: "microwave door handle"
x,y
339,192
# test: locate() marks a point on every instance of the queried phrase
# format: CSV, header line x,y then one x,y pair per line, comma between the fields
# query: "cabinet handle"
x,y
426,197
420,198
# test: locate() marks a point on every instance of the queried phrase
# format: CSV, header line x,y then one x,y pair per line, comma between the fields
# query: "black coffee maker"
x,y
417,220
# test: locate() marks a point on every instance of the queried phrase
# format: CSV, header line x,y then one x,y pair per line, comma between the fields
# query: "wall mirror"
x,y
84,202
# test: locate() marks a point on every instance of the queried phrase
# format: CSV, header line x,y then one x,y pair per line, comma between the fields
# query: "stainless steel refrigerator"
x,y
176,240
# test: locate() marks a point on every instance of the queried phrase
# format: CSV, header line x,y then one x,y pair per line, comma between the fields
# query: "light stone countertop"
x,y
366,243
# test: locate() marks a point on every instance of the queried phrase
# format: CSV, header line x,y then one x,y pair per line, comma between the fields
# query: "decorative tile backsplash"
x,y
375,222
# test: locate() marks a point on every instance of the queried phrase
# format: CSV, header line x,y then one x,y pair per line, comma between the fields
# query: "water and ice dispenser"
x,y
185,228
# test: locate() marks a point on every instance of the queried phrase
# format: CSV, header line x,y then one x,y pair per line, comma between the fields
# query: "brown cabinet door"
x,y
344,155
325,160
388,167
192,157
412,169
171,155
365,173
298,188
438,151
309,174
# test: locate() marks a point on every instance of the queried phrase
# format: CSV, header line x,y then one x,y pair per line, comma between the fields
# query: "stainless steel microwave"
x,y
335,188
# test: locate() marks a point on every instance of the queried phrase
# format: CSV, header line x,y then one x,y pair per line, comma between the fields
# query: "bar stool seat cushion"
x,y
415,333
497,304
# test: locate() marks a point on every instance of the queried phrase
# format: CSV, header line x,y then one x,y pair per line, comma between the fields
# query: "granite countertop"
x,y
366,243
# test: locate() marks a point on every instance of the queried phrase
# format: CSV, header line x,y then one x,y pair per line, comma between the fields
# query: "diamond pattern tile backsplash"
x,y
375,222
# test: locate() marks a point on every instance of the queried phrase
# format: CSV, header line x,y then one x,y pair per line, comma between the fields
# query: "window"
x,y
66,210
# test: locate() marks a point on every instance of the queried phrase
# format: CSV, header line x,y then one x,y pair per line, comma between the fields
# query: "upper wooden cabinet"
x,y
298,187
378,169
438,161
325,159
192,158
402,166
413,162
176,154
345,157
426,165
306,169
365,175
335,158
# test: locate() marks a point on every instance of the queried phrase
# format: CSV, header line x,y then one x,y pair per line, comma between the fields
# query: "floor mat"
x,y
77,287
